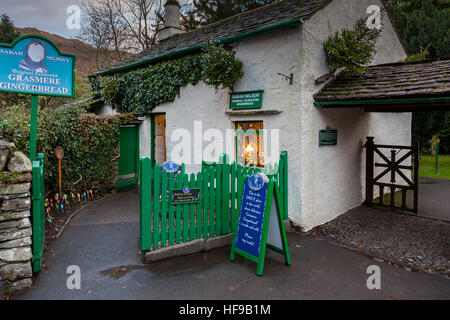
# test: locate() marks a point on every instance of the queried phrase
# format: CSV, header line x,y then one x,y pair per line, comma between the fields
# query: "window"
x,y
250,143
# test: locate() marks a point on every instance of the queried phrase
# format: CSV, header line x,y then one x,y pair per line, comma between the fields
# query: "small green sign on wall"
x,y
246,100
328,137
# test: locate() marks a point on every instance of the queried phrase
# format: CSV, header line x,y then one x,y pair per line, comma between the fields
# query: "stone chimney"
x,y
172,20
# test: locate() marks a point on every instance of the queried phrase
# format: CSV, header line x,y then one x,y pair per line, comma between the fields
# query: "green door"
x,y
128,161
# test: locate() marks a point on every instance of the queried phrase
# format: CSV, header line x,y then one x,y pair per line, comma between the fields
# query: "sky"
x,y
46,15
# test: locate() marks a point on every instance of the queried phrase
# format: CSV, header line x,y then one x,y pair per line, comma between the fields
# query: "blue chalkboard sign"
x,y
251,218
260,223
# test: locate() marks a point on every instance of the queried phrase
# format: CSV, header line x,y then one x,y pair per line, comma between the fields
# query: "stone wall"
x,y
15,225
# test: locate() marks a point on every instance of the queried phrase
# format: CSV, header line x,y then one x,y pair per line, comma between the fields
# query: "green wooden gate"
x,y
163,223
129,155
38,213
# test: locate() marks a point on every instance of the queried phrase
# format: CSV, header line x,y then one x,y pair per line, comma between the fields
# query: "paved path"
x,y
103,241
406,239
434,198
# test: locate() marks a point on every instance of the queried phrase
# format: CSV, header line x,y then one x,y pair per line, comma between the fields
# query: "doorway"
x,y
129,155
159,154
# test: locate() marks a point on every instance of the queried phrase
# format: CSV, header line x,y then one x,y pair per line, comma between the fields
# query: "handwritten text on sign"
x,y
251,218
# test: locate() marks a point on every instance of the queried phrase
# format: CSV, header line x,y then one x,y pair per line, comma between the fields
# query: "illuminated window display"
x,y
250,143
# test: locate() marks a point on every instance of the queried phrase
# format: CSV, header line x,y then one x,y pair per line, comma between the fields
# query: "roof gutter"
x,y
277,26
381,102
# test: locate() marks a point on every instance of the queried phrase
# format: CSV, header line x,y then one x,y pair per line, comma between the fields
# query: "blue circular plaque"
x,y
256,182
170,166
186,190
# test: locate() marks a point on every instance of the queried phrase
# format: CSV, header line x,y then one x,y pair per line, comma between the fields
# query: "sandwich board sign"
x,y
33,65
260,222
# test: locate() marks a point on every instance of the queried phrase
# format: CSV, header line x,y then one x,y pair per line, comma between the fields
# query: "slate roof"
x,y
390,81
278,12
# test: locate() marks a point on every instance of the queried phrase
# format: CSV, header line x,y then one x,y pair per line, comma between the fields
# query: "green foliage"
x,y
143,89
422,23
90,143
351,49
444,136
424,28
417,57
7,32
427,166
7,177
203,12
427,124
220,67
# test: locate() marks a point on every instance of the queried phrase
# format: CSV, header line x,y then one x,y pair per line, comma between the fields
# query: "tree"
x,y
117,28
203,12
424,29
351,49
422,24
444,136
7,32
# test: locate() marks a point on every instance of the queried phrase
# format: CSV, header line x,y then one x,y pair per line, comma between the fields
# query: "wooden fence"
x,y
163,223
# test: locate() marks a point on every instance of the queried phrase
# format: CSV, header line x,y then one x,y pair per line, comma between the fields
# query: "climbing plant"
x,y
143,89
351,49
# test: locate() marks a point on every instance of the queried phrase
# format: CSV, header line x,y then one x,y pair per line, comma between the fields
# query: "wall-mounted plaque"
x,y
328,137
246,100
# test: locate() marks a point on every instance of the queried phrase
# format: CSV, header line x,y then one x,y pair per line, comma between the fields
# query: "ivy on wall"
x,y
143,89
351,49
90,144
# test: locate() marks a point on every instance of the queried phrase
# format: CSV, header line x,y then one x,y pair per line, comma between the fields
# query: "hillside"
x,y
85,53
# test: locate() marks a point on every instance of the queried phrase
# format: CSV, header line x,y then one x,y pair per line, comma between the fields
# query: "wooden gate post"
x,y
416,177
369,170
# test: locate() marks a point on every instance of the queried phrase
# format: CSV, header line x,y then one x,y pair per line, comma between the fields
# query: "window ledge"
x,y
251,112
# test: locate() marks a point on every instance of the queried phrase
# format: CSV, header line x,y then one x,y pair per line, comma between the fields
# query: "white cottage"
x,y
280,46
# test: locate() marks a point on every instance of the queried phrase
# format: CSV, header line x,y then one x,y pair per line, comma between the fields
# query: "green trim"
x,y
281,25
382,101
74,58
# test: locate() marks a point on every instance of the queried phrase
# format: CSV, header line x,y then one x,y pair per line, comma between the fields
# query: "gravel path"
x,y
409,241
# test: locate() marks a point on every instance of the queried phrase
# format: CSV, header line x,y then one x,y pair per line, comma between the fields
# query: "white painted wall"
x,y
264,57
324,182
332,177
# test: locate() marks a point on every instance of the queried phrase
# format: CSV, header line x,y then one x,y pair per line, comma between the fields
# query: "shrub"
x,y
90,142
351,49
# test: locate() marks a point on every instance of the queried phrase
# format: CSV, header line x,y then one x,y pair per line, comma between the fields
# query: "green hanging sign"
x,y
260,222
